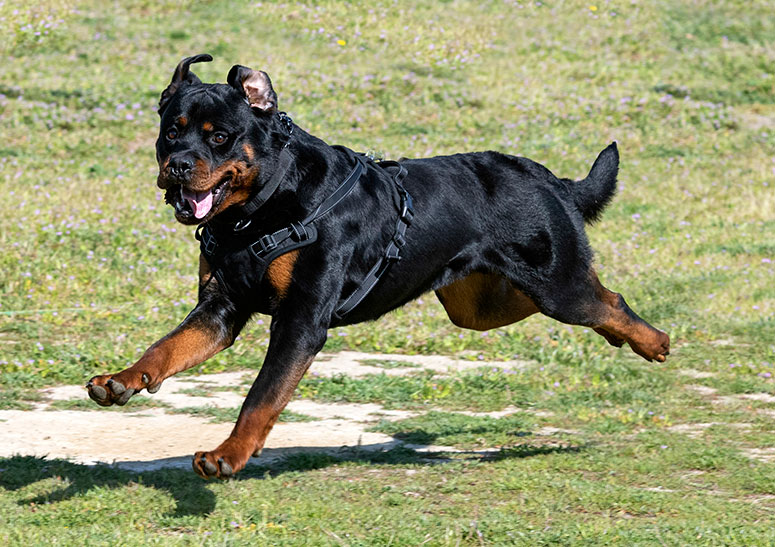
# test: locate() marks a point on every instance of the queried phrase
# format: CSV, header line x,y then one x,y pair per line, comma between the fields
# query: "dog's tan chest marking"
x,y
280,272
204,271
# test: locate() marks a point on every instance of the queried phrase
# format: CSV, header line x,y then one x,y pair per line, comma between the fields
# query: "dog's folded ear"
x,y
256,86
182,76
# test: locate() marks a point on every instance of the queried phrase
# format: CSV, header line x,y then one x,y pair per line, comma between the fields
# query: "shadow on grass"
x,y
192,494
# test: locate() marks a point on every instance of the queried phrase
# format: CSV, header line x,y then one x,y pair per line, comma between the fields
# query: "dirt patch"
x,y
698,374
761,397
696,430
766,455
153,438
712,393
744,397
353,363
702,390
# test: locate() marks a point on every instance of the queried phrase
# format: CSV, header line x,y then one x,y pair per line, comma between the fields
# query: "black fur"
x,y
504,224
483,211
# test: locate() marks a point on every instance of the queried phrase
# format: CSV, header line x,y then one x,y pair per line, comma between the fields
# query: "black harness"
x,y
246,257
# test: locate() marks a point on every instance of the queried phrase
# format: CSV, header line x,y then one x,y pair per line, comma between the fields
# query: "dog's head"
x,y
213,139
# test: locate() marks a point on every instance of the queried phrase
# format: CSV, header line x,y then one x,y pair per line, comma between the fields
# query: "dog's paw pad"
x,y
116,387
106,390
209,465
98,394
226,470
124,397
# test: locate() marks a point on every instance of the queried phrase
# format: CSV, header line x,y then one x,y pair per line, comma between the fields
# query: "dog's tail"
x,y
594,192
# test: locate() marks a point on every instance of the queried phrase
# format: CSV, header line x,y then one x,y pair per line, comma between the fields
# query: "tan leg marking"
x,y
484,301
621,325
183,348
249,433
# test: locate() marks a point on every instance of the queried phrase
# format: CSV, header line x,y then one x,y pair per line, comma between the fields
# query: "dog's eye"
x,y
218,138
172,134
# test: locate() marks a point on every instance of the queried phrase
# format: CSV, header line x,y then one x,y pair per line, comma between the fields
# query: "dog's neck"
x,y
314,170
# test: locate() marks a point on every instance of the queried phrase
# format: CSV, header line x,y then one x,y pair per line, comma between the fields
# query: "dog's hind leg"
x,y
483,301
590,304
621,324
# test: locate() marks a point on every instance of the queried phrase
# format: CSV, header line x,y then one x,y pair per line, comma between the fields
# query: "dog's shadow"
x,y
193,496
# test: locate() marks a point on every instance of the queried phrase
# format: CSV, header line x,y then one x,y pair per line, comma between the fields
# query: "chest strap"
x,y
392,252
299,234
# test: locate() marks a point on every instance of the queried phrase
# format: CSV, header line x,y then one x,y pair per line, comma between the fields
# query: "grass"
x,y
458,430
94,268
207,390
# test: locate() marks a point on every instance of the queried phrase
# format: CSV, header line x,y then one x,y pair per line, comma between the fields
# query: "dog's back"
x,y
482,177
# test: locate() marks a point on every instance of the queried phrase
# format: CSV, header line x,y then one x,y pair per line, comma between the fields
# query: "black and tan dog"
x,y
311,235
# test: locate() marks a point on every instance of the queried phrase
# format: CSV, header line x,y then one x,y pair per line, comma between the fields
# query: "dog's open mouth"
x,y
190,204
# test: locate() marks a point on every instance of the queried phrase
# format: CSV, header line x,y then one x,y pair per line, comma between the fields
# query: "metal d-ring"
x,y
242,224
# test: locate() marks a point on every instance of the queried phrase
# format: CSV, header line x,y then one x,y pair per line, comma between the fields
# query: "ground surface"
x,y
170,435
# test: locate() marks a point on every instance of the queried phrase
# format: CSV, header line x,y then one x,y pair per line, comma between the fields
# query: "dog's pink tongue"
x,y
201,202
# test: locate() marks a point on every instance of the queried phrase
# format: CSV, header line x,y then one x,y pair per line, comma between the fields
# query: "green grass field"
x,y
94,267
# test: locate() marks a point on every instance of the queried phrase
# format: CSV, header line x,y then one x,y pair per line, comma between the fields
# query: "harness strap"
x,y
342,192
283,163
303,233
296,235
392,252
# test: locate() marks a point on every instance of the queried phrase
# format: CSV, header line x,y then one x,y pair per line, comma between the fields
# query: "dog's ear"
x,y
182,76
256,86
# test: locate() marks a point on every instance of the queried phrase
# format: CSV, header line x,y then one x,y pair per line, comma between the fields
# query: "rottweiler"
x,y
317,236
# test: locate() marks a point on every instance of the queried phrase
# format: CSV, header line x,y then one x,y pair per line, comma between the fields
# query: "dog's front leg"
x,y
292,347
210,327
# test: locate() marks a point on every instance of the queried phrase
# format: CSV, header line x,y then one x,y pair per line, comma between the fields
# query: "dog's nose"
x,y
180,168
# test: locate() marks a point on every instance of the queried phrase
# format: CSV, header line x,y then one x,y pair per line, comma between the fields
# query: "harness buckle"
x,y
299,232
266,244
407,208
393,254
399,239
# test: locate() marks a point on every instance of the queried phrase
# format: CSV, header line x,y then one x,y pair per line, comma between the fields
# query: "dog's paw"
x,y
657,348
662,345
220,464
110,389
